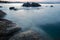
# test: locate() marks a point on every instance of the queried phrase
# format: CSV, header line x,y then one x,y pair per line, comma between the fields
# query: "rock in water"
x,y
33,4
13,8
7,29
0,6
29,35
51,6
26,4
2,14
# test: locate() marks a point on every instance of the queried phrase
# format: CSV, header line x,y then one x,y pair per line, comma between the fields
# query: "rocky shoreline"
x,y
7,27
9,31
2,14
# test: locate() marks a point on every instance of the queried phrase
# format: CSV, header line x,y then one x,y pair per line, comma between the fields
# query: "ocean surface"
x,y
45,17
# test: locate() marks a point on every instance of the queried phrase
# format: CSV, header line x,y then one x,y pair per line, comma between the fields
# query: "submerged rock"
x,y
7,29
29,35
33,4
2,14
0,6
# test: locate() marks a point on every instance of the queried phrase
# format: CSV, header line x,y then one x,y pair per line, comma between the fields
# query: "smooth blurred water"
x,y
45,17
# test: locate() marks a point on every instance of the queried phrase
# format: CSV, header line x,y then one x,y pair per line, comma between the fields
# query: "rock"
x,y
0,6
33,4
2,14
29,35
12,8
12,30
7,29
26,4
51,6
4,24
15,9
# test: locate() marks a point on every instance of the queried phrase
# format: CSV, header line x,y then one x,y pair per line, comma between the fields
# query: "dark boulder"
x,y
33,4
0,6
7,29
2,14
26,4
51,6
13,8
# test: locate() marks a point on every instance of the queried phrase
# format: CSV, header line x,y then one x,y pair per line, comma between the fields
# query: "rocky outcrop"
x,y
7,29
29,35
4,1
33,4
2,14
26,4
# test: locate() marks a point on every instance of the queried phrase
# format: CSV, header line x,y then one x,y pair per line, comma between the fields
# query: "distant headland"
x,y
37,2
9,2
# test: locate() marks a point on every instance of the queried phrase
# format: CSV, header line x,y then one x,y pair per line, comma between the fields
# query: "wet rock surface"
x,y
2,14
7,29
29,35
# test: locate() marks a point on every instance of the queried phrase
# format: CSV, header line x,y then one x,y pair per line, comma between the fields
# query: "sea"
x,y
45,17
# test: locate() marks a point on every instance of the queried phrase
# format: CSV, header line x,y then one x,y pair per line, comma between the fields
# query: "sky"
x,y
34,0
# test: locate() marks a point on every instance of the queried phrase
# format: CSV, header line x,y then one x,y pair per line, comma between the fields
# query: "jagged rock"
x,y
33,4
7,29
2,14
29,35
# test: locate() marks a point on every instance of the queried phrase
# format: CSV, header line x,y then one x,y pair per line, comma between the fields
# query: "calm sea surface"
x,y
45,17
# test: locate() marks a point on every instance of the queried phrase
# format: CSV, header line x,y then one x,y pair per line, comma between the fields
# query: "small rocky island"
x,y
33,4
